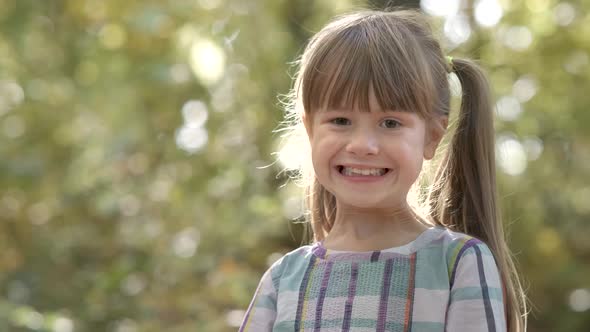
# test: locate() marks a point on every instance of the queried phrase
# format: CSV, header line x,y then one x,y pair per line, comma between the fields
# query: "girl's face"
x,y
369,160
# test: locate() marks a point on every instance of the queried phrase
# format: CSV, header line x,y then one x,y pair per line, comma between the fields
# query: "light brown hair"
x,y
395,56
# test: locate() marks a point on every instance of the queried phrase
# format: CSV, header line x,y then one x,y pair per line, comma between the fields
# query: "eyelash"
x,y
336,121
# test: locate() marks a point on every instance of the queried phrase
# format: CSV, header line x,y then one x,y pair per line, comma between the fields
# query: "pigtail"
x,y
464,193
464,196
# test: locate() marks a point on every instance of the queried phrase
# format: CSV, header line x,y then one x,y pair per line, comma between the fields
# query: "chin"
x,y
361,202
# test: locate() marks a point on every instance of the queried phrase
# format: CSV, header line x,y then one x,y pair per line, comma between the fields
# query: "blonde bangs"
x,y
343,69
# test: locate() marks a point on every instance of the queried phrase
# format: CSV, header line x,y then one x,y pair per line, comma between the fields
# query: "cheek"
x,y
324,143
413,157
418,166
319,153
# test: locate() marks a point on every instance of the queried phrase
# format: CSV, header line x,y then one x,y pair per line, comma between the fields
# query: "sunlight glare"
x,y
441,8
234,317
511,156
191,138
457,29
508,108
579,300
63,324
564,14
518,38
488,13
207,60
524,88
194,113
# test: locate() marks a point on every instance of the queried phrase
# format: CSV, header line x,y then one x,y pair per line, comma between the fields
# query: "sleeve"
x,y
262,311
476,302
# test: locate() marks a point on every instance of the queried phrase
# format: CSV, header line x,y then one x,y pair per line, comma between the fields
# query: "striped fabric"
x,y
441,281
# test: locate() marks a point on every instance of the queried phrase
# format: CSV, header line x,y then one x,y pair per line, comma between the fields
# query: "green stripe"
x,y
431,270
455,251
428,326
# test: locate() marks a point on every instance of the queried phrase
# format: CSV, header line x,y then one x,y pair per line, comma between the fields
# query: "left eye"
x,y
390,123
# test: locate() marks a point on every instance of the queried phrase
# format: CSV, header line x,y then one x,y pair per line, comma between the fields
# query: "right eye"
x,y
340,121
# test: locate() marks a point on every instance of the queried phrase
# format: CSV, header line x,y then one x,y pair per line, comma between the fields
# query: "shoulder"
x,y
452,243
457,244
293,258
462,250
270,280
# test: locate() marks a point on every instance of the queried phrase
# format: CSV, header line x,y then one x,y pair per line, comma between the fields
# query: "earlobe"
x,y
435,134
430,150
431,146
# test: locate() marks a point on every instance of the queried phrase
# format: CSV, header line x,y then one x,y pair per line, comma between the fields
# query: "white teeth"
x,y
351,171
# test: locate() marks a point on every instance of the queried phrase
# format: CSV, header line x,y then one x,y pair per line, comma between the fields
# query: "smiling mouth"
x,y
353,171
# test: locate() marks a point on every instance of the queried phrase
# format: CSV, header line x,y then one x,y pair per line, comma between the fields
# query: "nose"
x,y
363,142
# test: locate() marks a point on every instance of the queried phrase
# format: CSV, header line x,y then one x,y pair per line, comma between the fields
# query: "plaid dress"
x,y
441,281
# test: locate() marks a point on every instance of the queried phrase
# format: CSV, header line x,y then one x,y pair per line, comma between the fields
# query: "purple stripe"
x,y
245,322
466,246
484,292
411,290
351,292
246,317
322,296
375,256
319,250
384,296
302,290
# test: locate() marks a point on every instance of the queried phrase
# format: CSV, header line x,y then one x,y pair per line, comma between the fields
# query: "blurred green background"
x,y
138,184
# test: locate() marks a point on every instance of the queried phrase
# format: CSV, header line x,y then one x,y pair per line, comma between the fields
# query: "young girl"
x,y
373,96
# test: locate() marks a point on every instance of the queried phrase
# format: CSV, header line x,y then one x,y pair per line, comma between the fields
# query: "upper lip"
x,y
358,166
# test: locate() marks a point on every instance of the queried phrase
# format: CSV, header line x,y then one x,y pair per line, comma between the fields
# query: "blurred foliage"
x,y
138,185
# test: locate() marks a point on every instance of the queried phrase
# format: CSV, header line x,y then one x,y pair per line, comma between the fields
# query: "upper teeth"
x,y
363,171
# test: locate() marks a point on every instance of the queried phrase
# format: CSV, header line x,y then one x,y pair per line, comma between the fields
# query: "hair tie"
x,y
450,63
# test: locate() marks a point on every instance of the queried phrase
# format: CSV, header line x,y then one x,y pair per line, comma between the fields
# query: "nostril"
x,y
363,146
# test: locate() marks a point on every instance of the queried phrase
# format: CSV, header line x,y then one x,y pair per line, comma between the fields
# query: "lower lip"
x,y
363,179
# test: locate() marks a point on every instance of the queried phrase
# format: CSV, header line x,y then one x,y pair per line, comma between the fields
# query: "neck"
x,y
365,230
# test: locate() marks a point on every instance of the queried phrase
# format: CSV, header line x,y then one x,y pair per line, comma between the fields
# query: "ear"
x,y
435,130
307,123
